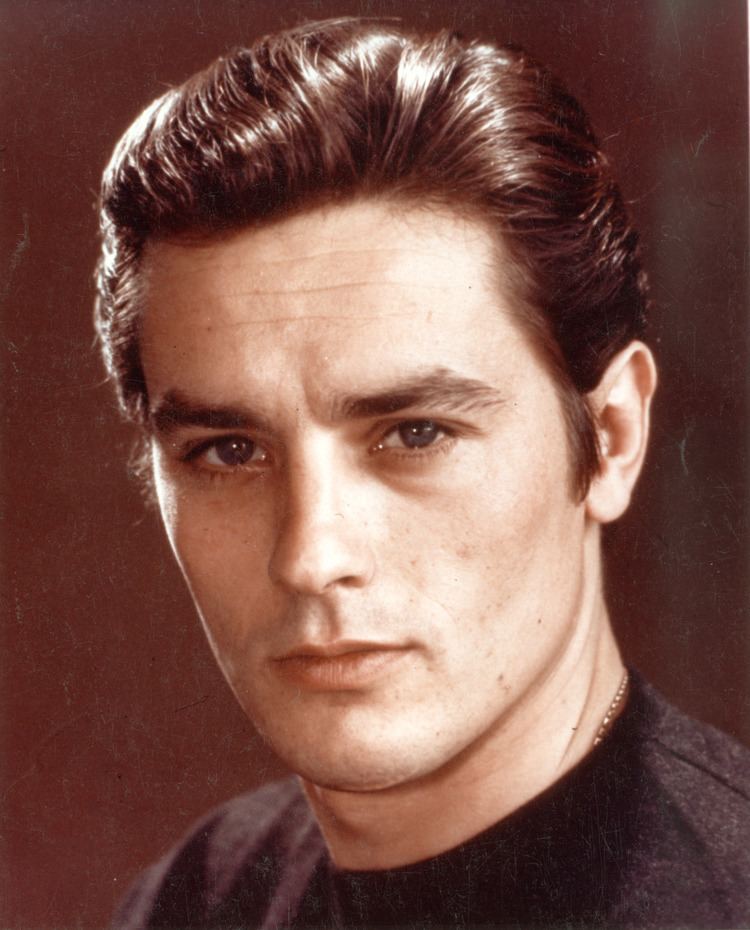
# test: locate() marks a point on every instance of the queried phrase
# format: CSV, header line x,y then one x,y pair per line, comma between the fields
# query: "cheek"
x,y
220,550
224,562
502,542
222,545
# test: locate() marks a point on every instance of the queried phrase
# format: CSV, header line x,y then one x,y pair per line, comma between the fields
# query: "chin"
x,y
335,775
358,759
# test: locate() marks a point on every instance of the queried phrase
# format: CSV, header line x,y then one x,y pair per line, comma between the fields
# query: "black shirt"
x,y
651,829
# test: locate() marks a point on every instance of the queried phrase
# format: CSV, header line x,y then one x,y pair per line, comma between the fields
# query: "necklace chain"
x,y
612,710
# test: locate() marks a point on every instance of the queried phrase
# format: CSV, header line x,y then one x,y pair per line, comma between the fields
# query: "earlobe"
x,y
621,404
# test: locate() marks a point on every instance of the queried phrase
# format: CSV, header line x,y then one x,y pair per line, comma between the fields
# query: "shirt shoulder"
x,y
230,865
690,820
703,769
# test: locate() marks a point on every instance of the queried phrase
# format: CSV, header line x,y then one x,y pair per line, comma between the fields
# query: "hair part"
x,y
350,108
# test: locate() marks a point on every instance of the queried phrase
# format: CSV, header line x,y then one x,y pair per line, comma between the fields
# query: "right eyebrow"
x,y
176,410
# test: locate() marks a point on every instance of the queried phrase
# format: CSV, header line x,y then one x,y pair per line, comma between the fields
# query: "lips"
x,y
339,666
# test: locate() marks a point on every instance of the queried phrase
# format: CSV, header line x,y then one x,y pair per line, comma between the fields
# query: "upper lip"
x,y
340,647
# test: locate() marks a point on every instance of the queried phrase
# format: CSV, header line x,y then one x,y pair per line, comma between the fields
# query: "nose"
x,y
321,543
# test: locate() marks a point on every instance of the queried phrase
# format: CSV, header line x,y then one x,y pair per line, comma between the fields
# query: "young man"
x,y
377,307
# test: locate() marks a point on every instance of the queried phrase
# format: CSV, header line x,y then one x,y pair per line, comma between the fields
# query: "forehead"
x,y
338,245
358,292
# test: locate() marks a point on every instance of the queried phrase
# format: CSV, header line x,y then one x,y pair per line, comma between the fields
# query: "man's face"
x,y
363,471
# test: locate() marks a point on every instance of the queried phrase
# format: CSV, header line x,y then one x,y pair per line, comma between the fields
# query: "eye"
x,y
228,452
412,434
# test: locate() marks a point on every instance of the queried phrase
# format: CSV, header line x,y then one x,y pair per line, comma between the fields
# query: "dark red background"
x,y
116,729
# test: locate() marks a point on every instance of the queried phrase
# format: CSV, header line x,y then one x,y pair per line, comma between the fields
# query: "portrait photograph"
x,y
376,501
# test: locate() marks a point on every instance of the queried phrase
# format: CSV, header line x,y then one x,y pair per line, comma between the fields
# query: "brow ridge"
x,y
438,388
177,410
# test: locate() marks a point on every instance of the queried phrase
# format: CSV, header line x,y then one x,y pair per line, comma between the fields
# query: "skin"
x,y
395,578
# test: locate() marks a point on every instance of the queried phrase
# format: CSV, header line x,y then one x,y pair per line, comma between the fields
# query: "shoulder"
x,y
698,765
691,816
238,853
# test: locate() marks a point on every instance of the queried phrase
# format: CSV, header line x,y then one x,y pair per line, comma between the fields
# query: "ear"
x,y
620,404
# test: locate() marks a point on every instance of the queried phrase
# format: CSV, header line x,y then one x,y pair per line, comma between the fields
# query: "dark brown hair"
x,y
346,108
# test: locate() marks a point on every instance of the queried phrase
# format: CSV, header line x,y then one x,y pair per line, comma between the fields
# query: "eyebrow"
x,y
439,388
177,410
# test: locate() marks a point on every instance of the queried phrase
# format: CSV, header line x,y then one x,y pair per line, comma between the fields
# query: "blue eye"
x,y
413,434
419,433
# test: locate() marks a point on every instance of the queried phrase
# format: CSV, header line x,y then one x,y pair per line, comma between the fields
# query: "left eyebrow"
x,y
440,388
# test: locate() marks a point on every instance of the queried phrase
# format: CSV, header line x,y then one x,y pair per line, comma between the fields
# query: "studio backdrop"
x,y
117,729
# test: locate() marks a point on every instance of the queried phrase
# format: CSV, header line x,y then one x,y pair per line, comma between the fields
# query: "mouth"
x,y
345,665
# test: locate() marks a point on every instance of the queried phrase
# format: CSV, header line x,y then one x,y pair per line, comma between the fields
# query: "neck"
x,y
546,733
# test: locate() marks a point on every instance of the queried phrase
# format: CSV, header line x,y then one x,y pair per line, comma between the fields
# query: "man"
x,y
377,307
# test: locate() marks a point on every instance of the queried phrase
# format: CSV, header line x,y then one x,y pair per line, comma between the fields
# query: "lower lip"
x,y
345,672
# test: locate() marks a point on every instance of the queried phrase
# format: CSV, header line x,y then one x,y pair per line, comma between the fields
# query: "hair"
x,y
351,108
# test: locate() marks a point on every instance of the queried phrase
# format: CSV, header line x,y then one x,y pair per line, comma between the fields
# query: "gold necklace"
x,y
612,710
